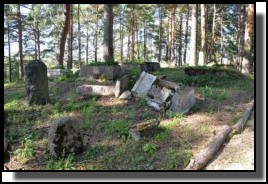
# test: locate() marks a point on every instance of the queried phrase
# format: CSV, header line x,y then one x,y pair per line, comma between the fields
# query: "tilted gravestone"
x,y
36,83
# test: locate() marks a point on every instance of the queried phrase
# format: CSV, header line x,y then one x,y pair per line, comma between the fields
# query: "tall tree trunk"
x,y
9,52
20,42
213,32
64,33
38,42
248,40
128,44
96,36
203,35
70,42
121,39
35,43
242,36
186,35
160,34
87,47
79,37
132,34
144,41
180,40
137,42
221,34
239,43
170,33
193,59
108,54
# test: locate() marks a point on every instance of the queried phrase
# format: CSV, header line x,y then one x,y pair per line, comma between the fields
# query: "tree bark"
x,y
180,41
239,43
38,42
144,41
203,35
70,42
96,36
242,121
64,33
108,54
221,34
87,47
202,159
121,39
20,42
160,34
9,50
247,59
79,37
186,34
193,61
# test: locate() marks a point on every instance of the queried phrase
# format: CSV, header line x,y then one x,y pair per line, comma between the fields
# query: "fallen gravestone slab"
x,y
64,137
121,85
182,100
143,85
146,129
36,83
95,90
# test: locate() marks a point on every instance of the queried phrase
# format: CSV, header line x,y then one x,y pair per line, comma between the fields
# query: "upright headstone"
x,y
36,83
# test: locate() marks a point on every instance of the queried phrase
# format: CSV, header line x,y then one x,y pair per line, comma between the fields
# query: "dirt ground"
x,y
238,153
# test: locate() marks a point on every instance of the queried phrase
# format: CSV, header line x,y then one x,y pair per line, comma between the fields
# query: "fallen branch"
x,y
207,154
238,127
202,159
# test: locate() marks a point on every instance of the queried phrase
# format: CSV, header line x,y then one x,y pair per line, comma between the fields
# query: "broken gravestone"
x,y
64,137
143,85
36,83
182,100
126,95
95,90
121,85
164,95
146,129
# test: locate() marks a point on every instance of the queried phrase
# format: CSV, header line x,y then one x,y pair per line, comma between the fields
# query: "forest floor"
x,y
105,122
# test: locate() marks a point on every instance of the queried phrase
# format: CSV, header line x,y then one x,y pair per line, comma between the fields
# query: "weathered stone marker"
x,y
95,90
64,137
36,83
121,85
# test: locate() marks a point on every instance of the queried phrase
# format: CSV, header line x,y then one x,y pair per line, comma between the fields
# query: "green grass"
x,y
67,163
26,152
149,148
213,93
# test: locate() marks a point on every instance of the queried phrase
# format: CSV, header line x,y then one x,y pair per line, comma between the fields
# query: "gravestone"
x,y
36,83
64,137
95,90
121,85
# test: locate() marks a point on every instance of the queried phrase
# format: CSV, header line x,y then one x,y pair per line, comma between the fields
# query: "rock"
x,y
146,129
112,72
228,108
143,85
158,94
95,90
121,85
36,83
152,66
182,100
64,137
126,95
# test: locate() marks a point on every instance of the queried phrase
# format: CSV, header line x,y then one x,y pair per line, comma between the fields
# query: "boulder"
x,y
121,85
146,129
126,95
143,85
182,100
64,137
95,90
36,83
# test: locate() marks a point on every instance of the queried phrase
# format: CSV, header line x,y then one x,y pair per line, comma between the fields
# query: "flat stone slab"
x,y
146,129
143,85
95,90
57,72
182,100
